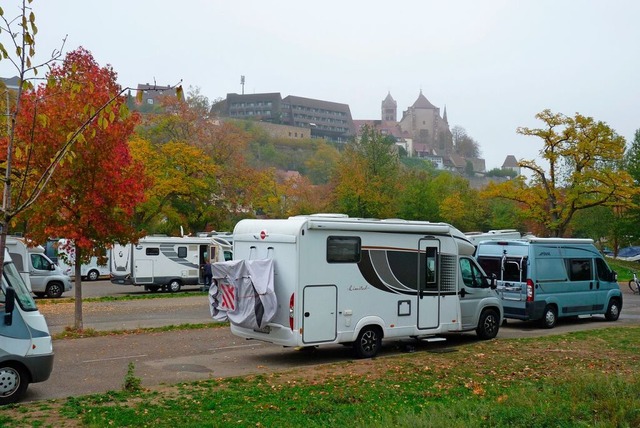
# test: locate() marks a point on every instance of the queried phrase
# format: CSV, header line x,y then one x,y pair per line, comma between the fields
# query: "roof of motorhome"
x,y
535,240
343,222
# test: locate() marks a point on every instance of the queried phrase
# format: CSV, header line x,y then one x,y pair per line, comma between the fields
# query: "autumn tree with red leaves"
x,y
91,196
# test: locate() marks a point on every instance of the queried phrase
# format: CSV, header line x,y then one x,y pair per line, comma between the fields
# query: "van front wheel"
x,y
13,383
54,290
549,317
613,311
488,324
368,342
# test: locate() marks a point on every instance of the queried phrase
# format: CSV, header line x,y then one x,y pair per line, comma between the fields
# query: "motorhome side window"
x,y
343,249
579,269
551,270
152,251
182,252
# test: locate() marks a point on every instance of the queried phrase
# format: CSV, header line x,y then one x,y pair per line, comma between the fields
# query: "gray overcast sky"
x,y
494,64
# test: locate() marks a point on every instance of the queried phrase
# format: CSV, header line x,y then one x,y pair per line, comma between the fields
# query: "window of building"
x,y
150,101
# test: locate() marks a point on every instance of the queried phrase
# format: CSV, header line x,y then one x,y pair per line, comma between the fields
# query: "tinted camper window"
x,y
551,270
343,249
579,269
182,252
152,251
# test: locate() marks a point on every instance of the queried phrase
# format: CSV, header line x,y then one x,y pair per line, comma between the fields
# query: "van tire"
x,y
54,289
549,317
613,310
174,286
13,383
368,342
488,324
93,275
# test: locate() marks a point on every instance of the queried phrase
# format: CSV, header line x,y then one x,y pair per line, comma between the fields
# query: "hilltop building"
x,y
422,132
321,119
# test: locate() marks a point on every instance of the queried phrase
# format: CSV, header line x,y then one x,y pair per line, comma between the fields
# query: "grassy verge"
x,y
72,333
624,269
120,298
578,379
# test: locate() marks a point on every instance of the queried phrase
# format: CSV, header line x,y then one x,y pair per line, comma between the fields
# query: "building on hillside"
x,y
323,119
422,133
425,125
511,163
148,98
276,130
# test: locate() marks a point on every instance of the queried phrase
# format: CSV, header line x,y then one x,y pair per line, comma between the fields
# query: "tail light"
x,y
529,290
291,301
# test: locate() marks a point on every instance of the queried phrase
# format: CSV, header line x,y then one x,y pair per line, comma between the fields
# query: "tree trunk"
x,y
78,287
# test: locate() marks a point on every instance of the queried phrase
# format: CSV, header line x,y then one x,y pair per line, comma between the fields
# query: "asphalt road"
x,y
96,365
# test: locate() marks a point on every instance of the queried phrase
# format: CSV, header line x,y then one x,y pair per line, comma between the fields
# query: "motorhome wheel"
x,y
368,342
488,324
13,383
613,311
174,286
550,317
54,289
93,275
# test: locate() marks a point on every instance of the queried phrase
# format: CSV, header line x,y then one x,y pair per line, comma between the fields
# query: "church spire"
x,y
444,116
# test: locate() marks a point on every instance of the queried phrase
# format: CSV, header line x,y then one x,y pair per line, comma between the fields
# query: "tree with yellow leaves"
x,y
583,170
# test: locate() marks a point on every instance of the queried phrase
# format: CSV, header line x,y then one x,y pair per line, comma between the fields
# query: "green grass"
x,y
120,298
584,379
624,269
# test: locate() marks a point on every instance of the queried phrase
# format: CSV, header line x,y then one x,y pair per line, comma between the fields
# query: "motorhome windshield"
x,y
13,278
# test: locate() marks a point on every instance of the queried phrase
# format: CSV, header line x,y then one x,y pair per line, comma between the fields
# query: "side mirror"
x,y
52,266
9,305
494,284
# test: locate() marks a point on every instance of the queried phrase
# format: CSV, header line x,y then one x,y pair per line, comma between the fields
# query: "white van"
x,y
43,275
336,279
543,279
91,271
26,349
166,262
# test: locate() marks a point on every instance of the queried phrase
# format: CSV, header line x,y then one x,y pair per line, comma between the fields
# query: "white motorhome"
x,y
492,235
37,270
165,262
356,281
91,271
26,349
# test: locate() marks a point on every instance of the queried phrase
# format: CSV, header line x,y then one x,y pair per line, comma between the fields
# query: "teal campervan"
x,y
543,279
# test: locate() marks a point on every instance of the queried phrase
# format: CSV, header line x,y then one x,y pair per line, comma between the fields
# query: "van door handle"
x,y
591,286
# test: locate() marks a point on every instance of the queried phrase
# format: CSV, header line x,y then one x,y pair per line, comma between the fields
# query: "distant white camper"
x,y
91,271
38,271
492,235
165,262
336,279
